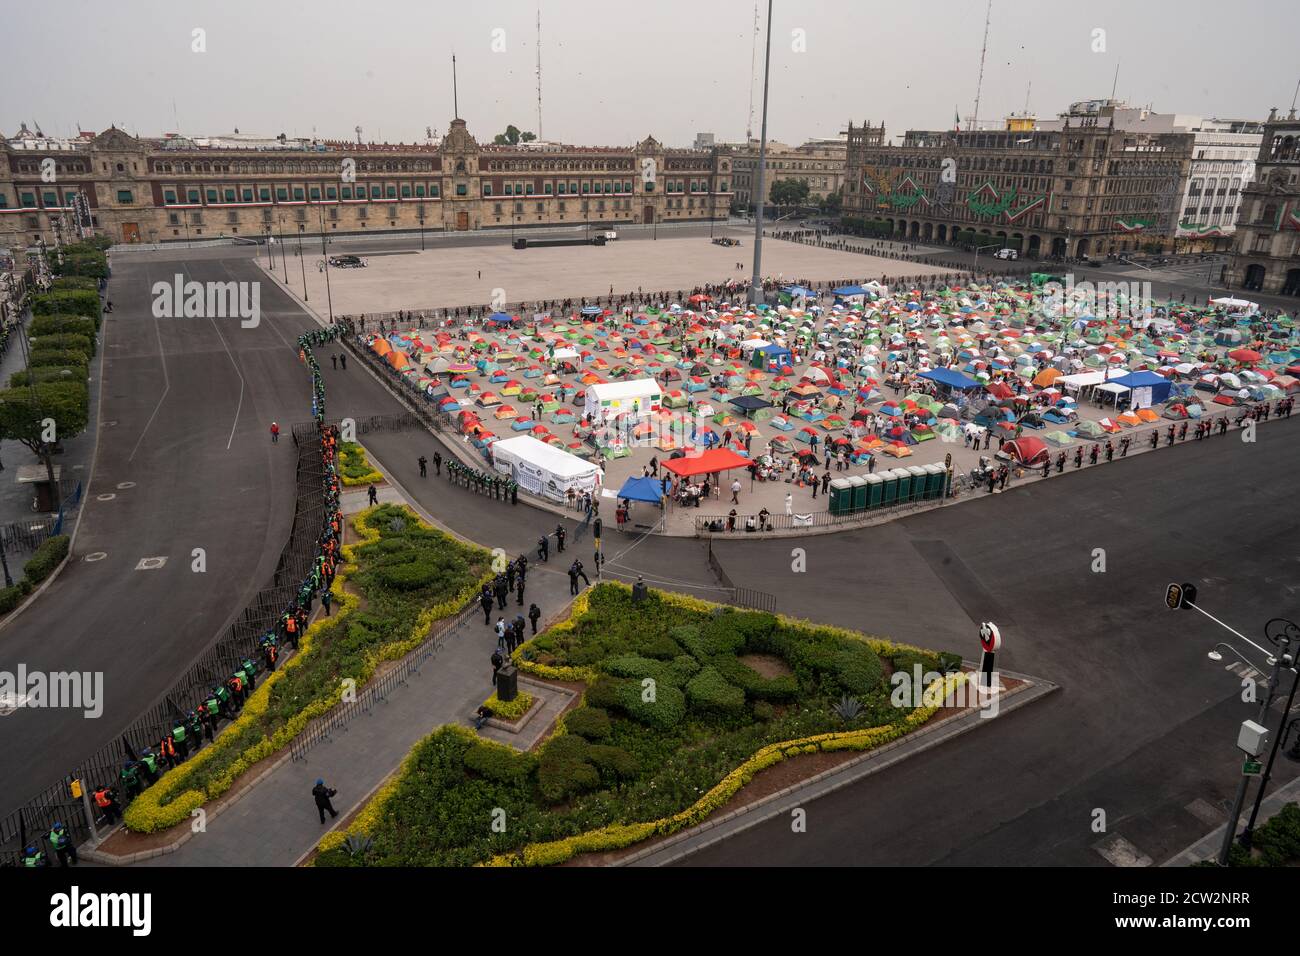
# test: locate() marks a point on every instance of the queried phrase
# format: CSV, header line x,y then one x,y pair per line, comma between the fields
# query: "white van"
x,y
610,235
1006,254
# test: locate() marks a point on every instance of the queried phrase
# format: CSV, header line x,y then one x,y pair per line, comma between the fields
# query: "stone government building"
x,y
175,189
1266,246
1077,186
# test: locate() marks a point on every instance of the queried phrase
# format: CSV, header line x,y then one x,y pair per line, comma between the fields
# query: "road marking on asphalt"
x,y
1206,812
10,703
96,556
1119,852
167,383
150,564
122,486
105,497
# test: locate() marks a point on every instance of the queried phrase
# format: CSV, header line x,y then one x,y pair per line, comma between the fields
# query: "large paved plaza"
x,y
442,277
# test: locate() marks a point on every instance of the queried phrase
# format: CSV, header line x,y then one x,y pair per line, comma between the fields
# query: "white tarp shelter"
x,y
1073,383
565,354
639,397
542,468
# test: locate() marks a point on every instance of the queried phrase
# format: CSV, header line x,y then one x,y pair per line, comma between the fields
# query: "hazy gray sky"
x,y
614,71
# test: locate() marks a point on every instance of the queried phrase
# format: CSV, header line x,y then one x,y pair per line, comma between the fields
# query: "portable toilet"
x,y
875,488
904,478
937,474
920,481
859,492
889,488
841,497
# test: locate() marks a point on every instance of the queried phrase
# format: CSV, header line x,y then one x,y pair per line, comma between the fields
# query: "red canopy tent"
x,y
718,459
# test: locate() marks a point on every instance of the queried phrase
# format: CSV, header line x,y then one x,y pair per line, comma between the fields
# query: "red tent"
x,y
706,463
1027,451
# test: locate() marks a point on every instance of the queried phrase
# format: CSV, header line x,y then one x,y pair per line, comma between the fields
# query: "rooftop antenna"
x,y
979,85
753,52
1028,86
1115,85
1295,94
455,96
539,69
358,129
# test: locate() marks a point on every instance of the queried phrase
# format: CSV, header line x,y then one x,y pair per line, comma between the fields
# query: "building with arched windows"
x,y
1266,246
1081,185
177,189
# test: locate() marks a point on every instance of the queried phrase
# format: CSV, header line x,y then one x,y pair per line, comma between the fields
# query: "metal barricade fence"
x,y
35,817
377,690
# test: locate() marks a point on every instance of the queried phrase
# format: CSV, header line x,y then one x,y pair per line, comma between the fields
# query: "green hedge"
x,y
499,763
47,373
60,357
66,341
61,323
590,722
46,558
79,283
74,301
708,691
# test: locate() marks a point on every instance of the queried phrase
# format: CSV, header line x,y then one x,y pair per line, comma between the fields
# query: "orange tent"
x,y
381,347
397,360
1046,377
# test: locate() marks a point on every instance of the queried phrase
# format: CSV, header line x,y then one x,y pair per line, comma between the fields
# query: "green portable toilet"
x,y
920,481
934,487
859,485
875,488
889,489
841,496
904,479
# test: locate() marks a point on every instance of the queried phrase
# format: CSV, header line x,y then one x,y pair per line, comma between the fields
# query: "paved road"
x,y
186,405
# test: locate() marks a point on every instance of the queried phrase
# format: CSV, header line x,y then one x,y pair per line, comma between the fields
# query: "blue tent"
x,y
1158,384
951,378
641,489
797,290
501,318
851,290
767,355
592,310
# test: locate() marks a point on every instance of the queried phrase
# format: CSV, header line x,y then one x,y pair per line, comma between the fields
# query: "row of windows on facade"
x,y
417,191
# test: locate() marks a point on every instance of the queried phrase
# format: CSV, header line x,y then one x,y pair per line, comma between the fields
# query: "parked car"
x,y
1006,254
347,262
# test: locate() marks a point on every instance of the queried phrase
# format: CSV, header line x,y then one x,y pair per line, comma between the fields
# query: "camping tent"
x,y
1147,388
770,357
542,468
1027,450
638,396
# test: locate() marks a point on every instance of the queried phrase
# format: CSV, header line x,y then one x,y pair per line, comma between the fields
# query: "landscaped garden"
x,y
685,702
355,467
396,582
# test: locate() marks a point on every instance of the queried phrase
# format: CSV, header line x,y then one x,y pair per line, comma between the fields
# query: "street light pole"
x,y
284,255
329,298
270,248
756,283
1290,635
301,261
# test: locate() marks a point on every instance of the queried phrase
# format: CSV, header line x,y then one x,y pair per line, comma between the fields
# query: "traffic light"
x,y
1180,596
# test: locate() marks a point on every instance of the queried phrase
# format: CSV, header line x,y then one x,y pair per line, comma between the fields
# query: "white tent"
x,y
542,468
606,400
565,354
1229,302
1073,383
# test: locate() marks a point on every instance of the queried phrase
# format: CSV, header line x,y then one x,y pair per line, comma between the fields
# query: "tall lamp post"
x,y
301,261
756,284
976,260
270,248
284,255
329,298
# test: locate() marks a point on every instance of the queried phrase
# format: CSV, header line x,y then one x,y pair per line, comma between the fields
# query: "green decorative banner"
x,y
1134,225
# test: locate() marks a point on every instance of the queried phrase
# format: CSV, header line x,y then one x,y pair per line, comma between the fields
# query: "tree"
x,y
27,418
832,203
788,192
513,136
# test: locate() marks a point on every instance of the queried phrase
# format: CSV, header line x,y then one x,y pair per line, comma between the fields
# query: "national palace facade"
x,y
170,190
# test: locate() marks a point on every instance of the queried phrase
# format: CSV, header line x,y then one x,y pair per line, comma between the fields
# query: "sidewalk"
x,y
274,822
1207,848
74,464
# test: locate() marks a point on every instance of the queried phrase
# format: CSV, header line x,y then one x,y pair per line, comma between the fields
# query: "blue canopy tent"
x,y
791,293
952,379
1145,388
641,489
500,318
592,310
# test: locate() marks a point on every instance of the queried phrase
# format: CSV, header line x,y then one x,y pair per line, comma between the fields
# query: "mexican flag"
x,y
1132,225
956,119
1196,230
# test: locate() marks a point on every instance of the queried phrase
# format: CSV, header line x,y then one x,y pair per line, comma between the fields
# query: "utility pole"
x,y
329,298
756,284
301,261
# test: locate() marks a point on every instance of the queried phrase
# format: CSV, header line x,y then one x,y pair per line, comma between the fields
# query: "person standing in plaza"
x,y
322,795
